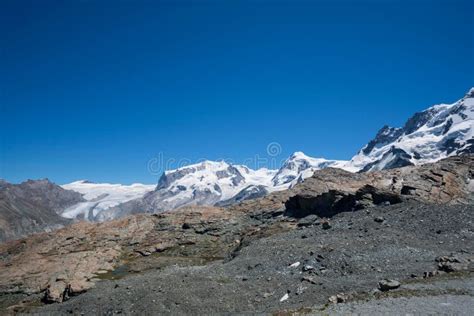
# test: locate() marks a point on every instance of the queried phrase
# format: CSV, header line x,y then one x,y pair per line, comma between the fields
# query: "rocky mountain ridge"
x,y
33,206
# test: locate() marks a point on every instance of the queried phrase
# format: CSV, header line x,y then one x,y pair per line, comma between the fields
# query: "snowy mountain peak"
x,y
206,183
202,176
206,164
300,166
299,155
470,93
80,182
438,132
211,182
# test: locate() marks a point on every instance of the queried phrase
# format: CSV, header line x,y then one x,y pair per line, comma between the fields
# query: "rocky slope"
x,y
284,269
243,258
33,206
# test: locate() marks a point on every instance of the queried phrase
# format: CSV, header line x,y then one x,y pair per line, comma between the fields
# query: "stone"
x,y
284,297
309,280
308,267
379,219
308,220
387,285
429,274
338,298
144,253
451,263
451,267
56,292
337,200
326,225
295,265
77,287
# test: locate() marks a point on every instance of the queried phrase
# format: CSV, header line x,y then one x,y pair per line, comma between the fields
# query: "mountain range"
x,y
438,132
336,232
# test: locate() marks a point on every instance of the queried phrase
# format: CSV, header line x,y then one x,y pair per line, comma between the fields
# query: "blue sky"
x,y
95,89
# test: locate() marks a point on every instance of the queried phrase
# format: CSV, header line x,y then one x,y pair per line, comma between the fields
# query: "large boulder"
x,y
330,203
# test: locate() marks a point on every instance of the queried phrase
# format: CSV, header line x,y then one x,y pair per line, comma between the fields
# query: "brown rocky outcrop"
x,y
447,181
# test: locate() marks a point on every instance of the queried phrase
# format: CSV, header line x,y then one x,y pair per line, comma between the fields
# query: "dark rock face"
x,y
333,202
232,173
166,179
396,158
447,181
451,146
384,136
33,206
417,120
469,149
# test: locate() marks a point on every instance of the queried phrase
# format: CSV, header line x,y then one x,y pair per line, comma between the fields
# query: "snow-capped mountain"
x,y
299,167
211,182
438,132
101,196
205,183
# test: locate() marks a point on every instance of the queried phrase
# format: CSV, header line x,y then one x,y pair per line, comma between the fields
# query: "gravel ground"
x,y
428,305
309,264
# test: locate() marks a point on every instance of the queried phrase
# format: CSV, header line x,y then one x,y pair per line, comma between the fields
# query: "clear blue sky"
x,y
95,89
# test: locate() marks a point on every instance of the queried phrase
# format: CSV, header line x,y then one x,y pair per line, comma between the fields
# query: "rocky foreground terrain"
x,y
386,241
